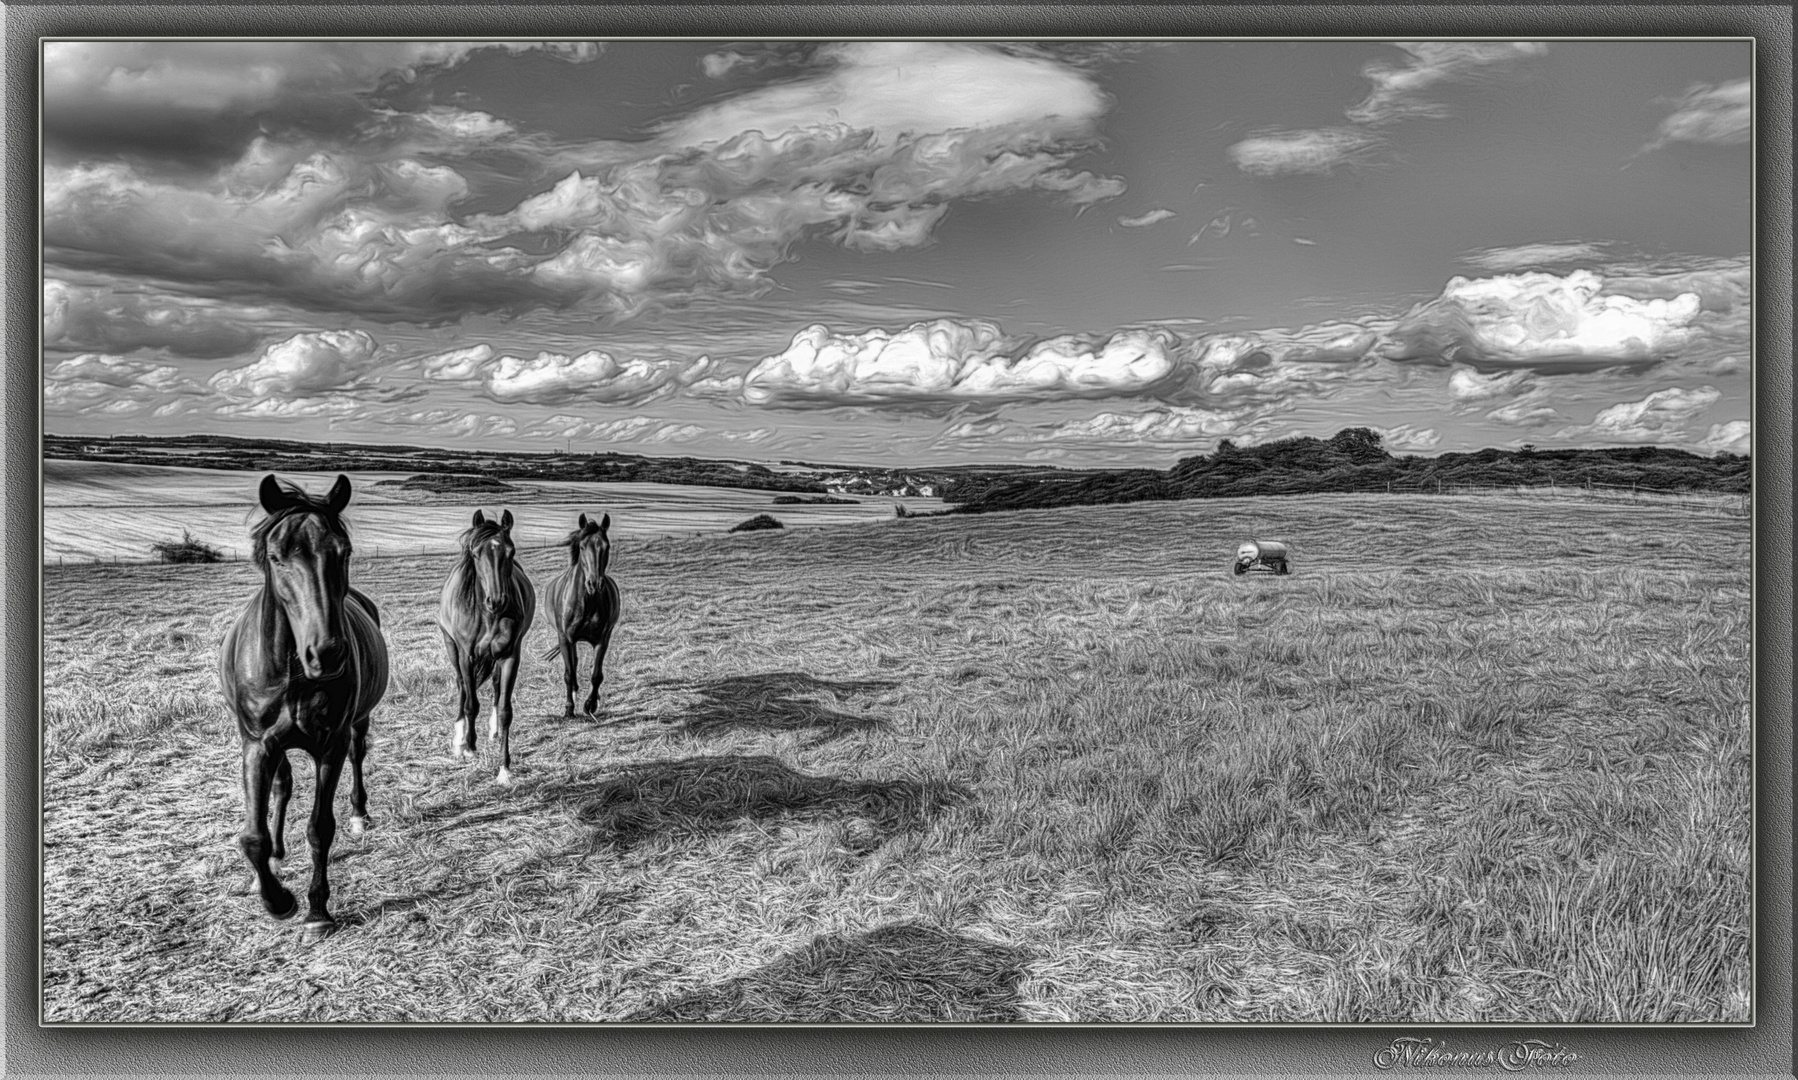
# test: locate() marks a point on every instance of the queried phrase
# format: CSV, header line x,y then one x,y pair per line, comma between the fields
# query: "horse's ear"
x,y
583,522
505,520
340,495
480,518
605,522
274,500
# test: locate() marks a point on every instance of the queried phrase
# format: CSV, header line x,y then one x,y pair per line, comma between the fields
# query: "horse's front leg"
x,y
571,669
468,706
599,668
282,790
359,820
320,834
505,676
254,840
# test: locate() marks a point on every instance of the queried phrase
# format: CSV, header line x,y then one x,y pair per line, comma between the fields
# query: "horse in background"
x,y
302,668
583,606
485,610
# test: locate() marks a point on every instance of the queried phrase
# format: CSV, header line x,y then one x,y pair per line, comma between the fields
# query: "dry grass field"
x,y
1477,759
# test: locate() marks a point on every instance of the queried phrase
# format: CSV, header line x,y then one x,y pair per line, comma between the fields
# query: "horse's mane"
x,y
470,538
573,541
299,502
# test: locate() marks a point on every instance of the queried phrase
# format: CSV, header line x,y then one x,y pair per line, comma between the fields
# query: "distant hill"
x,y
1355,461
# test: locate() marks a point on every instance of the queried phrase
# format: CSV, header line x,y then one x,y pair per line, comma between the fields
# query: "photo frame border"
x,y
935,1050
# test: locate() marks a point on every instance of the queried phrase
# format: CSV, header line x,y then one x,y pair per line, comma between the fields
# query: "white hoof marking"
x,y
358,826
275,865
493,722
456,741
505,776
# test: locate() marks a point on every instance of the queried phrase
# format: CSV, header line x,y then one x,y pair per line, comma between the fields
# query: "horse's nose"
x,y
324,659
491,603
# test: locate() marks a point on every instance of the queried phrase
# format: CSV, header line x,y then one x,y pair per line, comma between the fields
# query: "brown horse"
x,y
583,605
301,669
486,609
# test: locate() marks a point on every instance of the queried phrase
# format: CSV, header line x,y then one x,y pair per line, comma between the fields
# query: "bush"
x,y
188,550
760,521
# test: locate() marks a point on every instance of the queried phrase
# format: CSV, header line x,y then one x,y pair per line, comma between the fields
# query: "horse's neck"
x,y
275,638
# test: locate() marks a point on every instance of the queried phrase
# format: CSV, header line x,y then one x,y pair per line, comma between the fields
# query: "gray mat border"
x,y
30,1050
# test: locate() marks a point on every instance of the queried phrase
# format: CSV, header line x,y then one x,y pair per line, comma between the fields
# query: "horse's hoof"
x,y
317,930
276,908
359,825
505,776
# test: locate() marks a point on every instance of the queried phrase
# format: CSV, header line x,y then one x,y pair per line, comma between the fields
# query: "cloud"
x,y
1169,427
1402,91
447,423
1533,256
1530,410
551,378
303,366
1409,437
719,65
1732,437
1147,218
900,88
115,320
1226,220
99,383
1543,322
209,77
1303,153
706,208
946,361
1658,418
636,429
1468,386
1708,115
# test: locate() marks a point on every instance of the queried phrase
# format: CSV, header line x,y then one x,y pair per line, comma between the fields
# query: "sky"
x,y
900,253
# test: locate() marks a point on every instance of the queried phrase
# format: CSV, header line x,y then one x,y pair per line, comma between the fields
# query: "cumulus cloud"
x,y
1146,218
1467,386
868,147
303,366
1409,437
1403,91
945,361
1708,116
1543,322
118,321
1658,418
1732,437
551,378
1303,153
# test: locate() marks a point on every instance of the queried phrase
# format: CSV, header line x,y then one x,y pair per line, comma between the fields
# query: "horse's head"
x,y
591,547
304,552
488,544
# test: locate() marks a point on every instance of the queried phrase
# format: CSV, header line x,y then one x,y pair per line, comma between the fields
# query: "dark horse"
x,y
302,668
583,603
487,607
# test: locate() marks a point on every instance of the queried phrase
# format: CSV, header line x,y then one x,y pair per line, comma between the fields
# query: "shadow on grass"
x,y
774,701
897,974
706,795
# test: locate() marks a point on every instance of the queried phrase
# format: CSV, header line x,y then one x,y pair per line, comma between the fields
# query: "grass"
x,y
1477,759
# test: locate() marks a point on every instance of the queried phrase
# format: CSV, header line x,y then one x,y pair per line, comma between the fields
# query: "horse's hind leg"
x,y
254,840
359,821
320,834
282,790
